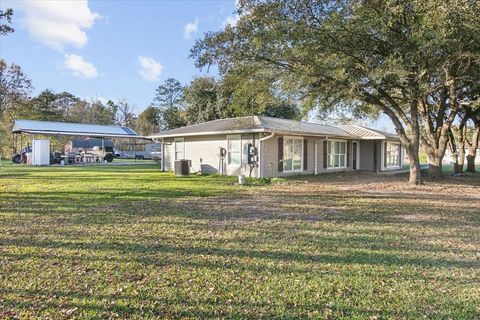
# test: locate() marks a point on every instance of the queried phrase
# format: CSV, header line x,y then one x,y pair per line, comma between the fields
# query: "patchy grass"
x,y
132,242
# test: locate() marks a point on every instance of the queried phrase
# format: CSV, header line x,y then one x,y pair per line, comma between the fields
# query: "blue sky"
x,y
112,49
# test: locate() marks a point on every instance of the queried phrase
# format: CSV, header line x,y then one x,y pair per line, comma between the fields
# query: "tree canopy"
x,y
5,20
410,60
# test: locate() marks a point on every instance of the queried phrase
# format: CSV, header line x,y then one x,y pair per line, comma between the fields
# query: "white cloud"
x,y
230,20
149,68
57,23
190,28
79,66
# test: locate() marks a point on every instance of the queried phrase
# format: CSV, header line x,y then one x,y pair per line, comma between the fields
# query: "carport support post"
x,y
103,150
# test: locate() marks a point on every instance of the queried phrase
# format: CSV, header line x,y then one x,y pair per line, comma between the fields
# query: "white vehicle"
x,y
148,151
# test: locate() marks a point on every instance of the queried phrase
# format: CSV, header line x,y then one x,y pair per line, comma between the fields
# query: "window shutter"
x,y
325,155
385,155
375,165
349,145
280,154
305,154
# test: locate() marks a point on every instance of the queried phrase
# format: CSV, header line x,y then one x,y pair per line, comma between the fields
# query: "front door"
x,y
354,158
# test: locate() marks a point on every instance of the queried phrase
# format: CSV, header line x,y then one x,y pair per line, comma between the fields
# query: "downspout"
x,y
260,153
162,161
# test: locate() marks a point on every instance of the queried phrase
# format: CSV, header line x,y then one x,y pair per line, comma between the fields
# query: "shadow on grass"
x,y
150,253
154,305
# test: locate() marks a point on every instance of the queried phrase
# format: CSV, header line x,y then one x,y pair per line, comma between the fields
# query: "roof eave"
x,y
284,132
209,133
87,134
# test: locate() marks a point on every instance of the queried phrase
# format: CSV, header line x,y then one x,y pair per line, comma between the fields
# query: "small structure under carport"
x,y
51,128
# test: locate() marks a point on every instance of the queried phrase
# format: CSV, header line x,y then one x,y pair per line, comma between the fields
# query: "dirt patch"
x,y
331,198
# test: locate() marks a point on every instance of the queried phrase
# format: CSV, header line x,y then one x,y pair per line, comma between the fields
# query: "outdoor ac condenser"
x,y
182,167
40,152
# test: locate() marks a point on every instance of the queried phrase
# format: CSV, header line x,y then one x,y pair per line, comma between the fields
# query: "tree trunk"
x,y
461,155
460,159
415,174
472,150
435,168
470,163
457,147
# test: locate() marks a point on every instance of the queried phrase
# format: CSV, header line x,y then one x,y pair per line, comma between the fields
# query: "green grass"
x,y
133,242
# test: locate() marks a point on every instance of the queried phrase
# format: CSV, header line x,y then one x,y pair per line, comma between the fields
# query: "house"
x,y
282,147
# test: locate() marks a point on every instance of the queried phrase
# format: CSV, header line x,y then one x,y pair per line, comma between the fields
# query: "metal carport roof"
x,y
73,129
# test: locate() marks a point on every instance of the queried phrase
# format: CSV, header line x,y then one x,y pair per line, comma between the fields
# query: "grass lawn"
x,y
132,242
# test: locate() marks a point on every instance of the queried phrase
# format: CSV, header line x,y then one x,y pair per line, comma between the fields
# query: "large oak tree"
x,y
410,59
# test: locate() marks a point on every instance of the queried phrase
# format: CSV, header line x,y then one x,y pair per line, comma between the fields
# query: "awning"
x,y
73,129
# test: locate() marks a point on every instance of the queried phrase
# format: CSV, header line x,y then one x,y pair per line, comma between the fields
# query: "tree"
x,y
148,121
243,94
283,110
201,101
168,98
207,99
92,111
124,112
14,85
45,107
172,118
407,59
7,16
466,133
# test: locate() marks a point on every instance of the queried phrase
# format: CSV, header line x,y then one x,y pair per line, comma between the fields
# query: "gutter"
x,y
260,154
209,133
85,134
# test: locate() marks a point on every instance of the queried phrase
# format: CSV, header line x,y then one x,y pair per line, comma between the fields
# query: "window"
x,y
336,154
392,154
292,154
234,149
179,148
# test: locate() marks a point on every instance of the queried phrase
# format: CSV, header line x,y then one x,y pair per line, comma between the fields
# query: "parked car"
x,y
109,153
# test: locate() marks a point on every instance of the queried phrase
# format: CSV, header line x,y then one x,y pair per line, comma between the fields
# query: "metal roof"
x,y
255,124
301,127
368,133
72,129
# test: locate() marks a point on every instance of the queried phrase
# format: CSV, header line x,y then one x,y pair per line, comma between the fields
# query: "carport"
x,y
35,128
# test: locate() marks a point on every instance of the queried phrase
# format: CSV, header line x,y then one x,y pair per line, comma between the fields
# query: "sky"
x,y
112,49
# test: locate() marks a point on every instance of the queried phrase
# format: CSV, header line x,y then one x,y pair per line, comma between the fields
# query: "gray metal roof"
x,y
301,127
73,129
255,124
368,133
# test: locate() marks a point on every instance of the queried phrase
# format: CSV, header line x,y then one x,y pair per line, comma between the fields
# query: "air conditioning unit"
x,y
182,167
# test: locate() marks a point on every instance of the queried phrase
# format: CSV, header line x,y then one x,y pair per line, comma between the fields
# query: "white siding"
x,y
207,148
